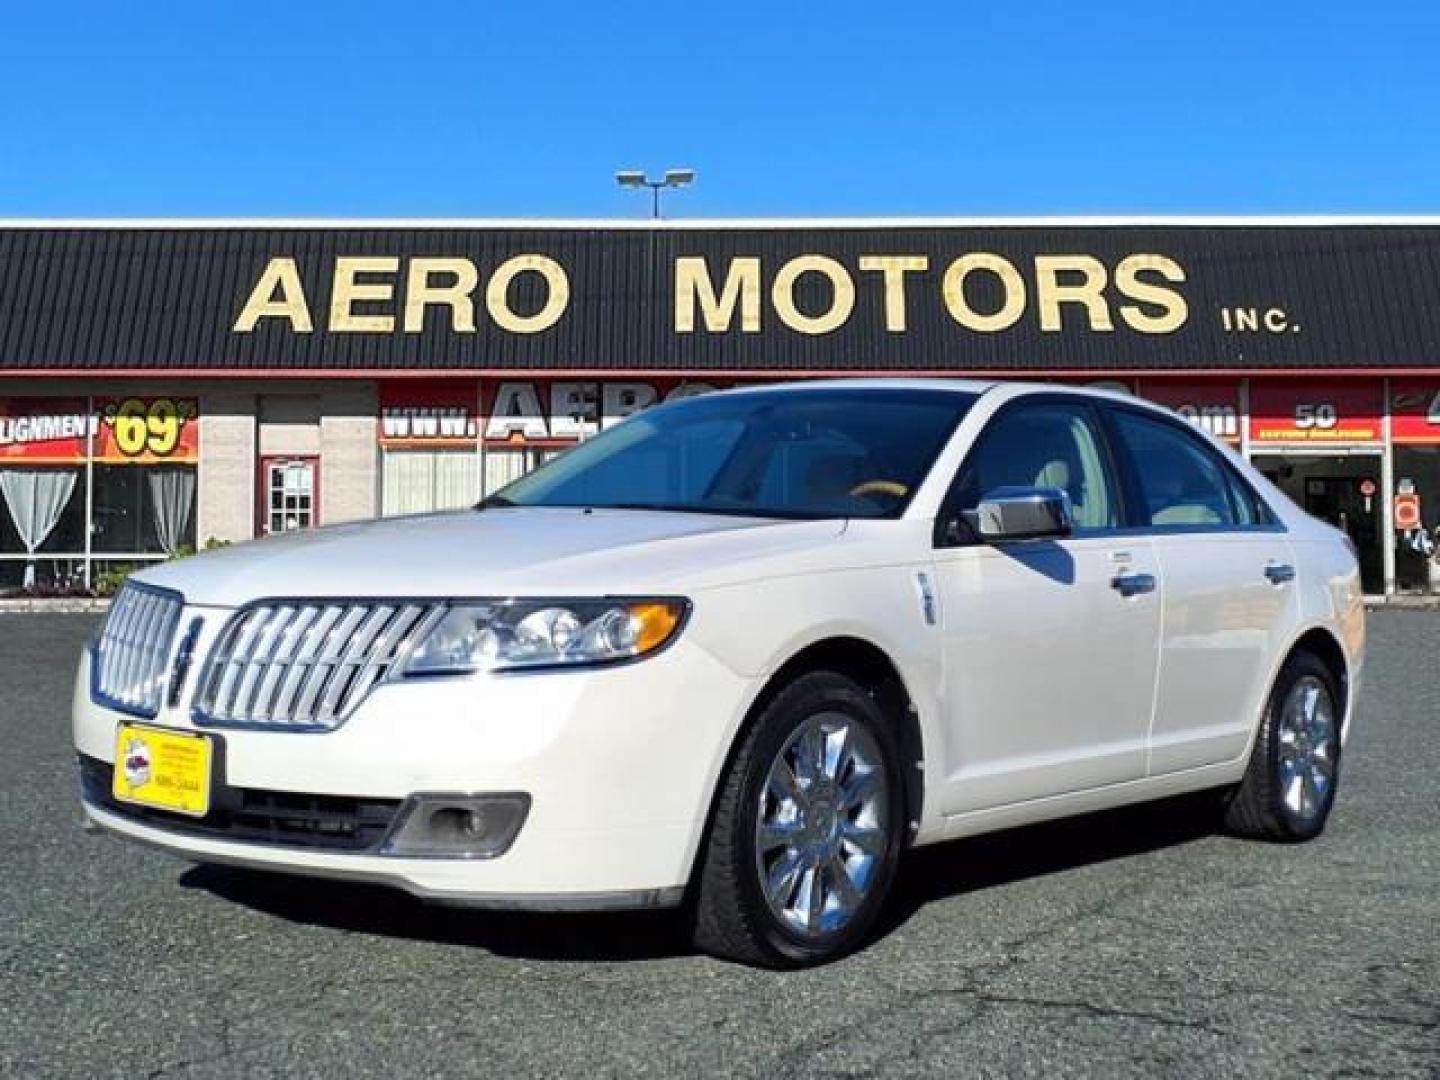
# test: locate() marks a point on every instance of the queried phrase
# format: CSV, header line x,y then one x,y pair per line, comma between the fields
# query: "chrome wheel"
x,y
823,829
1308,748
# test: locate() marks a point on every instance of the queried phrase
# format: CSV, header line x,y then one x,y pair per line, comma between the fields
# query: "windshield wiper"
x,y
493,502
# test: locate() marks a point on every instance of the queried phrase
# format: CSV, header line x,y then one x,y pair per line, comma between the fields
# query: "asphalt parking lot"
x,y
1133,943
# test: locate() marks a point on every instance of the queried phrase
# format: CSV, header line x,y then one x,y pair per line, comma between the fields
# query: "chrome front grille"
x,y
133,648
304,666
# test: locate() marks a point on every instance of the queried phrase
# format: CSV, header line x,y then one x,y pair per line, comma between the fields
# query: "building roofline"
x,y
603,373
669,224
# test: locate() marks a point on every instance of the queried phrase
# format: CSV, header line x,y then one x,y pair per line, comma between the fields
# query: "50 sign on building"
x,y
1315,412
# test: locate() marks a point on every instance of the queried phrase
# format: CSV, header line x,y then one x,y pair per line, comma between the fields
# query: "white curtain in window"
x,y
503,466
418,481
172,498
36,498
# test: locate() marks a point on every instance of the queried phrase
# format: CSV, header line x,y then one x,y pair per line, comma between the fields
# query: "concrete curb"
x,y
67,605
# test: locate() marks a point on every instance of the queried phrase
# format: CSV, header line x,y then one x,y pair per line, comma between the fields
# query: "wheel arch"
x,y
1323,644
874,669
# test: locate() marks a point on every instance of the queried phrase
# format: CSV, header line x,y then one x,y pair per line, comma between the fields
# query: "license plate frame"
x,y
164,769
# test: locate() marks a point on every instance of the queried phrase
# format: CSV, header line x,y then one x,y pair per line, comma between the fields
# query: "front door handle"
x,y
1279,573
1133,584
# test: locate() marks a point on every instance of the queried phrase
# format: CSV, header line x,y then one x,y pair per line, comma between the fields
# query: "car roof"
x,y
800,386
1012,387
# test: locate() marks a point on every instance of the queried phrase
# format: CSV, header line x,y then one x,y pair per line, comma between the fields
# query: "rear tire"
x,y
807,829
1294,770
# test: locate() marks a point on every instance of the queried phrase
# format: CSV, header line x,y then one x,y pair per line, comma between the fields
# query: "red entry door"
x,y
289,494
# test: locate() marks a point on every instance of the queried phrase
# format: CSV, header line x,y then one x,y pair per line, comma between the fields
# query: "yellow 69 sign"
x,y
159,427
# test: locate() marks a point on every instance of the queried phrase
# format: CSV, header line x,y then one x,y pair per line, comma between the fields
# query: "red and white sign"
x,y
515,412
1306,411
1212,405
120,431
1415,411
425,413
561,411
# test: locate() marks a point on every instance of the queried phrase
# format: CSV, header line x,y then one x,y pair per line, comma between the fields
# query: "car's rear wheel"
x,y
1290,783
807,829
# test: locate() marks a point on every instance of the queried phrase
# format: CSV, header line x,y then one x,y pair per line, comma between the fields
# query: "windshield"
x,y
784,453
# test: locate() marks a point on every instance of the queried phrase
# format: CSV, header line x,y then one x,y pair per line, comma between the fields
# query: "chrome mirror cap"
x,y
1024,513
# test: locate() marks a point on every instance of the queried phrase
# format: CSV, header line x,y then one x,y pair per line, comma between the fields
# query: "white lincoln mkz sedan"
x,y
739,652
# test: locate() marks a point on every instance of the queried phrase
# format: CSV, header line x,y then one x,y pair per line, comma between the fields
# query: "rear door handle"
x,y
1279,573
1133,584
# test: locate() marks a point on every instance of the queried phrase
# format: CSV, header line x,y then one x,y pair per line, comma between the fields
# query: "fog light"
x,y
457,826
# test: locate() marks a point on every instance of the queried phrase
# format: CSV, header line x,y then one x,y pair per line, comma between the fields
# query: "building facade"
x,y
163,385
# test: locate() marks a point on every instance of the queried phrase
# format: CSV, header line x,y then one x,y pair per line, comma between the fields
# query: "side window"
x,y
1182,482
1043,445
1250,508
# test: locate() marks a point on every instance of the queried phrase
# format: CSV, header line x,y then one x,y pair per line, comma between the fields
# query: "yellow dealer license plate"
x,y
168,770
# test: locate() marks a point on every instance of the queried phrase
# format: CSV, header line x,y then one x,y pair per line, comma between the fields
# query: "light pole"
x,y
673,178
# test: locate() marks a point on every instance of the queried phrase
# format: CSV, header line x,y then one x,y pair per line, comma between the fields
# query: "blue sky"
x,y
310,108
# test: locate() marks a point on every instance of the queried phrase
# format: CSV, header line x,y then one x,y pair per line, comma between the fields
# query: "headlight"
x,y
519,634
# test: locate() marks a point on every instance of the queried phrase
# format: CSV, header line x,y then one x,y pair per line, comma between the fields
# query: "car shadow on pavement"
x,y
377,910
927,875
993,860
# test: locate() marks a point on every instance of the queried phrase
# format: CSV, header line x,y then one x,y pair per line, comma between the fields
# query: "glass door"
x,y
289,494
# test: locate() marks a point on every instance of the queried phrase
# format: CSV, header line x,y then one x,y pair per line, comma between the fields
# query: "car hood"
x,y
497,552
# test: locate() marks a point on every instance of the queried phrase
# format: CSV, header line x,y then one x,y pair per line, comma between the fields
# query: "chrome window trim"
x,y
1126,464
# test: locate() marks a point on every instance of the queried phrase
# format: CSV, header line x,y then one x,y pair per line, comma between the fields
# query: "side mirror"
x,y
1022,513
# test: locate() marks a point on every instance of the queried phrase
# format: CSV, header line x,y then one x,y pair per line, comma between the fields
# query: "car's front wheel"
x,y
807,829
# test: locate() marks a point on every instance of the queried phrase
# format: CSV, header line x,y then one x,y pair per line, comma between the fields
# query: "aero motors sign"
x,y
1316,412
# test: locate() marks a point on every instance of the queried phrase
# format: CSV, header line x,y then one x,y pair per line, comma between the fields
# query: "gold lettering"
x,y
1174,310
895,267
953,289
347,292
842,294
497,294
1090,293
741,288
421,292
280,275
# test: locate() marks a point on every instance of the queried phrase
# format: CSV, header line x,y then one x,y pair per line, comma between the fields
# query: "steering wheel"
x,y
880,487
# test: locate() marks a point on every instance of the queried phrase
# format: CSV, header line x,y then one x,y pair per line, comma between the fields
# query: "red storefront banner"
x,y
561,411
1316,411
120,431
438,414
45,431
1415,411
1210,404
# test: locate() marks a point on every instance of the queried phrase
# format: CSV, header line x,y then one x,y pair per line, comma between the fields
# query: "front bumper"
x,y
619,763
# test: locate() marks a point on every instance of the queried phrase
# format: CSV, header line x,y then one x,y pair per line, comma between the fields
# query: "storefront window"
x,y
128,463
44,514
419,481
144,509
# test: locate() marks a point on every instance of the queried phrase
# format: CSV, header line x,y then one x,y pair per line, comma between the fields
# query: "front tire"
x,y
807,829
1290,783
